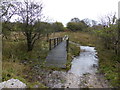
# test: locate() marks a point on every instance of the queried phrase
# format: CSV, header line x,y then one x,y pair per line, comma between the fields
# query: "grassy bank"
x,y
109,65
73,51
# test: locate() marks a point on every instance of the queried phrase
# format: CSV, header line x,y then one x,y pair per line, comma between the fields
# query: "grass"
x,y
12,69
17,62
109,66
16,70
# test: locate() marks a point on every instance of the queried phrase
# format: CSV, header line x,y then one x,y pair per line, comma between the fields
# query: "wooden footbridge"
x,y
57,56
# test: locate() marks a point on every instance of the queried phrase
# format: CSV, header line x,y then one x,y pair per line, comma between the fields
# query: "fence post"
x,y
67,44
49,44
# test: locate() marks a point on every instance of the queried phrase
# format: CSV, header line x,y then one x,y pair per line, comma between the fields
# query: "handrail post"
x,y
67,45
49,44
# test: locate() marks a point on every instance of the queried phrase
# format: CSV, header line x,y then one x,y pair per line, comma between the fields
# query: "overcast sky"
x,y
64,10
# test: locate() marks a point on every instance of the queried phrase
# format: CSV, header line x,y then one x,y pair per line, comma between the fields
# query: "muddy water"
x,y
86,62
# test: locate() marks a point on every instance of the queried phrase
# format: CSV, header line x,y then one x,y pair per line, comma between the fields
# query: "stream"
x,y
86,62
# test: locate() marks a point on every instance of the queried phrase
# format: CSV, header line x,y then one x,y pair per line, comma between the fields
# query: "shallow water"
x,y
87,62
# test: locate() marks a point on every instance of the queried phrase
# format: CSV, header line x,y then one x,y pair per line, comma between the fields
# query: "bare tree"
x,y
7,10
108,19
30,12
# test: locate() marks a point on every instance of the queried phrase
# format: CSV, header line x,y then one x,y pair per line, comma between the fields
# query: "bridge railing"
x,y
54,42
